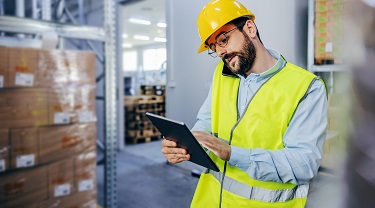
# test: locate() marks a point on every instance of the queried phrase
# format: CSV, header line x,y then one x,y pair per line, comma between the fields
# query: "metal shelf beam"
x,y
32,26
328,68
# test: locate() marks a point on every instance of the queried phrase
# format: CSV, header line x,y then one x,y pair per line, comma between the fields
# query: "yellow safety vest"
x,y
261,126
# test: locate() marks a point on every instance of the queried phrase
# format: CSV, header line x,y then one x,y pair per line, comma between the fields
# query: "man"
x,y
263,121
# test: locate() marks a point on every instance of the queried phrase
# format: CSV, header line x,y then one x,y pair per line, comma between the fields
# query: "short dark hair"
x,y
240,22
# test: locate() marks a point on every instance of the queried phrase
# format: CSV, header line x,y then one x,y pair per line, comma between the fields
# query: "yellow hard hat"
x,y
216,14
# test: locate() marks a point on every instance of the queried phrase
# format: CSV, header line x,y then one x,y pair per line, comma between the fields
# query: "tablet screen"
x,y
177,131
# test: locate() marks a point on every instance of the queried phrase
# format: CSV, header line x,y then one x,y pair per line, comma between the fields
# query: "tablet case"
x,y
180,133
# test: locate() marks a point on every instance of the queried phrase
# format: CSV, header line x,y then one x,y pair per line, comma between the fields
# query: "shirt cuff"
x,y
240,157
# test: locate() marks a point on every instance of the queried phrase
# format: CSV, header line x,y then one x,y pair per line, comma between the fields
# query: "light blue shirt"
x,y
299,161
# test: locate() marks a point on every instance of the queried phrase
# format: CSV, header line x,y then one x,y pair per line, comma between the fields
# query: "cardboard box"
x,y
57,142
323,6
4,150
30,107
72,104
87,199
85,171
59,67
23,107
329,31
23,67
60,178
3,67
30,67
24,187
24,147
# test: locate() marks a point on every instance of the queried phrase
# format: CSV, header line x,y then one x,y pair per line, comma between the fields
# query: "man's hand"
x,y
173,153
218,147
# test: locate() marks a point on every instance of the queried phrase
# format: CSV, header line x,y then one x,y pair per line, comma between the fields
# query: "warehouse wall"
x,y
282,26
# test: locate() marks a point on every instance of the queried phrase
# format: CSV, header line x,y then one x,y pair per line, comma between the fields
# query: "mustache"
x,y
230,55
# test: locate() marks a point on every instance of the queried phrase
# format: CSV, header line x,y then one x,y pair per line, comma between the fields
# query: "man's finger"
x,y
167,150
168,143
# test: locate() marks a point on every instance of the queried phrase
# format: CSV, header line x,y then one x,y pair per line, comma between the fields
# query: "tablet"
x,y
180,133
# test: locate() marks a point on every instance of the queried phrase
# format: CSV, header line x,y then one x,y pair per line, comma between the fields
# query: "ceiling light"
x,y
139,21
126,45
141,37
124,35
160,40
161,24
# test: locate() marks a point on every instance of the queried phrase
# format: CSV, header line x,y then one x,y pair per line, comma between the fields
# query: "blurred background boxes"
x,y
66,67
48,120
59,142
71,104
23,107
24,147
23,187
4,150
60,179
29,67
329,31
23,67
3,67
85,171
81,200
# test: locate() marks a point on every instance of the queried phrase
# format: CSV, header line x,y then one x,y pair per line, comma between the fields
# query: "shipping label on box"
x,y
24,161
24,79
2,165
1,81
85,116
24,147
86,185
62,190
61,117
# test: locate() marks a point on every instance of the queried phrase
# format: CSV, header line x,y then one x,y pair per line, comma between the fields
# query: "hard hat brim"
x,y
202,48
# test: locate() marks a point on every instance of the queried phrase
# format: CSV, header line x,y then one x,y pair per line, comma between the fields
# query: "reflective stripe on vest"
x,y
260,194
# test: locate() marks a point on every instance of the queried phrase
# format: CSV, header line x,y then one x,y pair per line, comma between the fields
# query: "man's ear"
x,y
250,28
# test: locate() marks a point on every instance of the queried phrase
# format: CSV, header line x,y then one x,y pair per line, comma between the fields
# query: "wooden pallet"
x,y
139,140
143,99
140,133
138,125
325,61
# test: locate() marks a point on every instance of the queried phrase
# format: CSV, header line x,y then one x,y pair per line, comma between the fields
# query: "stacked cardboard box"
x,y
329,31
48,128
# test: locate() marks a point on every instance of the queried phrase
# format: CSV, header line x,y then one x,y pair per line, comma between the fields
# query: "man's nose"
x,y
220,51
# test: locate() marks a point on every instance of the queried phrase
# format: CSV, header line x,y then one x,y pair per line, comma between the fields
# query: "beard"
x,y
246,57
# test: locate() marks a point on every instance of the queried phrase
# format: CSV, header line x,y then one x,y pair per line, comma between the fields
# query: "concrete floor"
x,y
146,180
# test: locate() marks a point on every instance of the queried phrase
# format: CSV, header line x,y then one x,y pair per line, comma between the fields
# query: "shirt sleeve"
x,y
203,122
299,161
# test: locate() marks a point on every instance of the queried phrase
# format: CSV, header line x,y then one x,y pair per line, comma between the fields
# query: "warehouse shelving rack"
x,y
107,35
